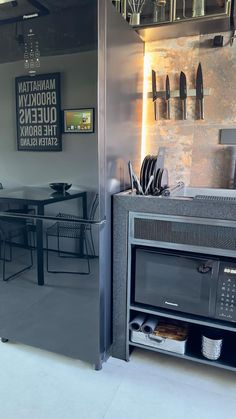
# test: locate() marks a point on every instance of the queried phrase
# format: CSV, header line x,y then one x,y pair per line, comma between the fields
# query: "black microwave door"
x,y
177,282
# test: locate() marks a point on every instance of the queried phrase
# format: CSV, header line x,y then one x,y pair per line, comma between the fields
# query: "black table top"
x,y
36,195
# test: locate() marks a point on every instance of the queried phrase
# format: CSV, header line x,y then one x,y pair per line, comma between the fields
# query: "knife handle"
x,y
201,109
155,110
184,102
167,109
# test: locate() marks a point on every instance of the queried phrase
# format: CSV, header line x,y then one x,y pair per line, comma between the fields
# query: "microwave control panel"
x,y
226,295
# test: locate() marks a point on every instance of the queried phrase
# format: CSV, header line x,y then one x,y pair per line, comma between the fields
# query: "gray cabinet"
x,y
128,208
159,19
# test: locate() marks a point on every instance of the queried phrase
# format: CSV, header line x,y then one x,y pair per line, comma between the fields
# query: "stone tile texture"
x,y
193,152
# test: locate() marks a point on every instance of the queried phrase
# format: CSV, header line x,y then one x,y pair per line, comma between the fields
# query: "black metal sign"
x,y
38,112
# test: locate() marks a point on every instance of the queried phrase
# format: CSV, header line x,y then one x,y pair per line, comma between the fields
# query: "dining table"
x,y
40,197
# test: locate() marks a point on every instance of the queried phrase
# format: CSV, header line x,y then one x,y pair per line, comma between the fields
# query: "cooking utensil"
x,y
154,169
155,189
148,172
163,179
183,94
131,176
160,158
135,182
159,11
167,97
158,178
149,184
143,171
138,187
198,8
170,190
200,92
136,7
154,93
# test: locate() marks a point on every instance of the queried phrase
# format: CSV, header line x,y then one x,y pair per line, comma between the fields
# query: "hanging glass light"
x,y
31,53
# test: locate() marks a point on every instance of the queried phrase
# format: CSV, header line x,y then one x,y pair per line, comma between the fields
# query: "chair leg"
x,y
5,260
86,248
47,251
92,242
58,245
74,257
10,248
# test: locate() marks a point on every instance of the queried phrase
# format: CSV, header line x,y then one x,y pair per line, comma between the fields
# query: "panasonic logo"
x,y
230,271
171,304
30,16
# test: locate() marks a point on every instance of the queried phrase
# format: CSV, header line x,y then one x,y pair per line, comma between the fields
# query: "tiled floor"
x,y
35,384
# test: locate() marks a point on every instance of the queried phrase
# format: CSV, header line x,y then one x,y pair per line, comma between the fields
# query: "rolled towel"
x,y
149,325
137,322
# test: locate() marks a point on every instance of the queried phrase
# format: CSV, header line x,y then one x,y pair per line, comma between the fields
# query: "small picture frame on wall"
x,y
78,121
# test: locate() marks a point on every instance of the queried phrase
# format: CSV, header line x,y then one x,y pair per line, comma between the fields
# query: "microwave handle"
x,y
205,267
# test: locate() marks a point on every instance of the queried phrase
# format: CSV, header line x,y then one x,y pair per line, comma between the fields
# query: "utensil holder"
x,y
198,8
211,345
135,19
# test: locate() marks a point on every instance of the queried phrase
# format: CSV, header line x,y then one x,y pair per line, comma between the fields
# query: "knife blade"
x,y
167,97
183,94
200,92
154,93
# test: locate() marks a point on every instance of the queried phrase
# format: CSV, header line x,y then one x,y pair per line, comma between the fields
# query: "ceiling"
x,y
19,8
70,26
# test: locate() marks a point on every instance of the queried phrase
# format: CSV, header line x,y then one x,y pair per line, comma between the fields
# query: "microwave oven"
x,y
187,282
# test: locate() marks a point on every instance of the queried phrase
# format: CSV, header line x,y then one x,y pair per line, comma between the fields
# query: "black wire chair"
x,y
77,231
10,230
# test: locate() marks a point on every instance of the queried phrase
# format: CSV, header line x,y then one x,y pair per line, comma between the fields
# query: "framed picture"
x,y
78,121
38,112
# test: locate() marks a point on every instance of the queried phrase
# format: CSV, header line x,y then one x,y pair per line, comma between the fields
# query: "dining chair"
x,y
11,230
76,230
22,210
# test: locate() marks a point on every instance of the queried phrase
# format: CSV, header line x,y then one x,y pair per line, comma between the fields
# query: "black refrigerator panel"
x,y
55,265
62,315
54,304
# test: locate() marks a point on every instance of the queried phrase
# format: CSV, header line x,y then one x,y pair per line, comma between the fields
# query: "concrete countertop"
x,y
225,210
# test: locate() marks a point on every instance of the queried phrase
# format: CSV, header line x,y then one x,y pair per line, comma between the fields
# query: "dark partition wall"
x,y
120,114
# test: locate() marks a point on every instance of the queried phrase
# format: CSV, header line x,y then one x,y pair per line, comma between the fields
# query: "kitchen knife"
x,y
183,94
131,176
167,97
154,93
200,92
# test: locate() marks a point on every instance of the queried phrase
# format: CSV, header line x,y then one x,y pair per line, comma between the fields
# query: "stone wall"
x,y
193,152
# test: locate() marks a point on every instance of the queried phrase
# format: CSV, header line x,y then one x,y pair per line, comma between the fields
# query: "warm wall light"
x,y
147,71
5,1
